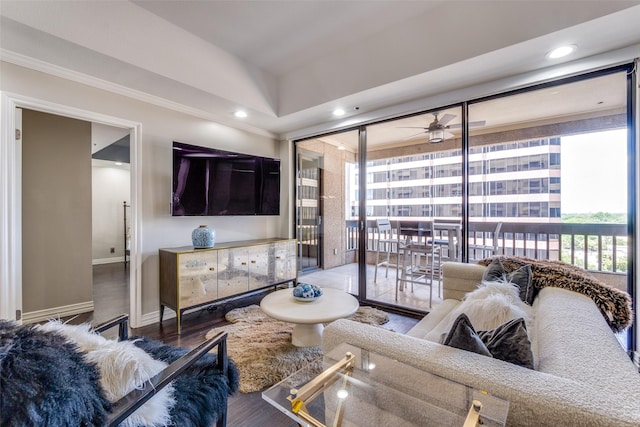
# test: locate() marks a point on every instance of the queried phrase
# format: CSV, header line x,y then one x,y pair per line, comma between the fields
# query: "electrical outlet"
x,y
335,251
113,250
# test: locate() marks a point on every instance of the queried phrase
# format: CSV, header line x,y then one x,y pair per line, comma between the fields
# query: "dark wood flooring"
x,y
244,410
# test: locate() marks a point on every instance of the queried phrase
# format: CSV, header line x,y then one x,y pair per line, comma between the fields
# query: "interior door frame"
x,y
11,206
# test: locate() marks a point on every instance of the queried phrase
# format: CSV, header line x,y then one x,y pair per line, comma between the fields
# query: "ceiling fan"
x,y
437,129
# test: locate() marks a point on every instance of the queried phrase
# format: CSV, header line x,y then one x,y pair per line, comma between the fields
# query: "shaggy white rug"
x,y
261,346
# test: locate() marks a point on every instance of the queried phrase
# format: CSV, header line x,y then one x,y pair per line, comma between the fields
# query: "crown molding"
x,y
85,79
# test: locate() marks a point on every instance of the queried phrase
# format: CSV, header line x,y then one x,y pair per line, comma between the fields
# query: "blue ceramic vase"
x,y
203,237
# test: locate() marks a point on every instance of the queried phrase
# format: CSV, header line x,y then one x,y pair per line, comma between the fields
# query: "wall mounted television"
x,y
212,182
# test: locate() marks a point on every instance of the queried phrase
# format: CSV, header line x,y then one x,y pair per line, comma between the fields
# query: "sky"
x,y
594,172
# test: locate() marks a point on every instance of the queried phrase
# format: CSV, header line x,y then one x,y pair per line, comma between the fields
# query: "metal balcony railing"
x,y
595,247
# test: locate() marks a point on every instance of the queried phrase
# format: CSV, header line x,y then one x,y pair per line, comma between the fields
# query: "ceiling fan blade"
x,y
471,124
414,135
448,135
446,118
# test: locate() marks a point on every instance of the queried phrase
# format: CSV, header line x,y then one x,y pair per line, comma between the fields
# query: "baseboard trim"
x,y
57,312
154,317
98,261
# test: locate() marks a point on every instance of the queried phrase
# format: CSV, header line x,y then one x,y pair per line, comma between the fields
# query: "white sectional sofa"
x,y
583,376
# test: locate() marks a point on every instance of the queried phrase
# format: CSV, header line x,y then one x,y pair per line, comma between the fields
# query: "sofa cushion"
x,y
521,277
575,342
431,320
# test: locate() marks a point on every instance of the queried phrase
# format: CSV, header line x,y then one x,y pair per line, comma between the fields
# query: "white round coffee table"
x,y
308,317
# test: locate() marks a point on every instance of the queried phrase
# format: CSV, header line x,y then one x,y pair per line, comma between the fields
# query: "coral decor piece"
x,y
306,292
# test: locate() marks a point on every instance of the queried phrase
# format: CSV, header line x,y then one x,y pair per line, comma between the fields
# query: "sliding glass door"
x,y
327,211
414,181
546,173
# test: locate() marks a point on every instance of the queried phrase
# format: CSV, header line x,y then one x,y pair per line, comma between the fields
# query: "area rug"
x,y
261,346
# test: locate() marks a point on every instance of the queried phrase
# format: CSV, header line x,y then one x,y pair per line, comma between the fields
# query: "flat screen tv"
x,y
211,182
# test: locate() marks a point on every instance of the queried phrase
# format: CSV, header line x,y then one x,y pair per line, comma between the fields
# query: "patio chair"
x,y
486,250
384,243
451,244
420,259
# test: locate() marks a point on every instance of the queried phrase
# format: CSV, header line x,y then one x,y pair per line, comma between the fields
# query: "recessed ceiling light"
x,y
338,112
118,164
561,51
341,147
240,114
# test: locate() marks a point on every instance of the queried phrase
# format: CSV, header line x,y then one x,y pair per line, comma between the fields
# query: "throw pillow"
x,y
495,271
521,277
508,342
463,336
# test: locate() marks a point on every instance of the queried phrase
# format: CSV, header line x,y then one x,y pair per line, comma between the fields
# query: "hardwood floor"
x,y
244,410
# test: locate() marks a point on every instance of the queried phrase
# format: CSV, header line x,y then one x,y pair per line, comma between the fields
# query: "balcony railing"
x,y
595,247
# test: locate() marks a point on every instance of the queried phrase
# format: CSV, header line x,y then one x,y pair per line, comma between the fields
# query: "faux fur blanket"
x,y
66,375
45,381
614,304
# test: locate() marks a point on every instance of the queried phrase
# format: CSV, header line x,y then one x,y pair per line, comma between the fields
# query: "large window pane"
x,y
413,179
551,165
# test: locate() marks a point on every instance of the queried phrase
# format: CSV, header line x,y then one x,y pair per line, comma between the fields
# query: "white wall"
x,y
160,127
110,188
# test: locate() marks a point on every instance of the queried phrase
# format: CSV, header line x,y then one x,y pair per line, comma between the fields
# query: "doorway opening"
x,y
11,256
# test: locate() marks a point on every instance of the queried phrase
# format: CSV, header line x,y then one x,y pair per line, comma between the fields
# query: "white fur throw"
x,y
123,368
490,305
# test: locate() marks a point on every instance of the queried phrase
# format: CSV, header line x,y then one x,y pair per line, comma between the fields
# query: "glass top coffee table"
x,y
357,387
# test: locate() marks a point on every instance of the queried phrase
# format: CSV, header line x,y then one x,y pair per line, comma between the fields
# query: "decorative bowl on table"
x,y
306,293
